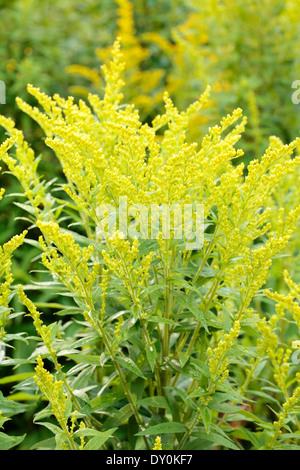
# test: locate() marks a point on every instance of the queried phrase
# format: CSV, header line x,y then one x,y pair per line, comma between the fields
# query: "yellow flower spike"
x,y
145,83
64,241
82,441
14,243
73,422
157,444
41,329
112,75
142,273
104,286
91,74
217,362
134,251
268,344
54,392
68,261
126,22
24,167
287,408
117,332
6,277
8,124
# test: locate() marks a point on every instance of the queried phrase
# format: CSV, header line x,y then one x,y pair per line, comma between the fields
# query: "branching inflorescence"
x,y
164,331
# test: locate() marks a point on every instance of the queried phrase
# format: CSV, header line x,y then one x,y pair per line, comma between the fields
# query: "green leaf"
x,y
25,207
208,272
60,439
22,396
183,358
102,402
246,434
206,417
216,439
44,413
52,427
17,336
98,438
248,416
84,358
16,377
151,355
157,319
119,417
191,305
290,435
163,428
45,444
150,290
287,447
130,365
10,408
3,420
157,401
7,442
89,340
174,405
34,243
179,392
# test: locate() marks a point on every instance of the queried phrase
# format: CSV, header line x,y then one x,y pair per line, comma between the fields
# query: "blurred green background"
x,y
246,50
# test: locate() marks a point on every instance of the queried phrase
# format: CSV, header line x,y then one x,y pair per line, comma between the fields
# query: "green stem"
x,y
125,387
189,431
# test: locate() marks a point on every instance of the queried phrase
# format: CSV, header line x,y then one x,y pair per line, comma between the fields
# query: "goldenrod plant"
x,y
162,332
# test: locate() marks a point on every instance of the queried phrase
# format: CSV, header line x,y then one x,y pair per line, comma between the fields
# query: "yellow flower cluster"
x,y
284,415
245,217
53,390
288,302
24,167
118,333
268,344
68,261
43,331
6,277
157,444
122,263
218,362
113,155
